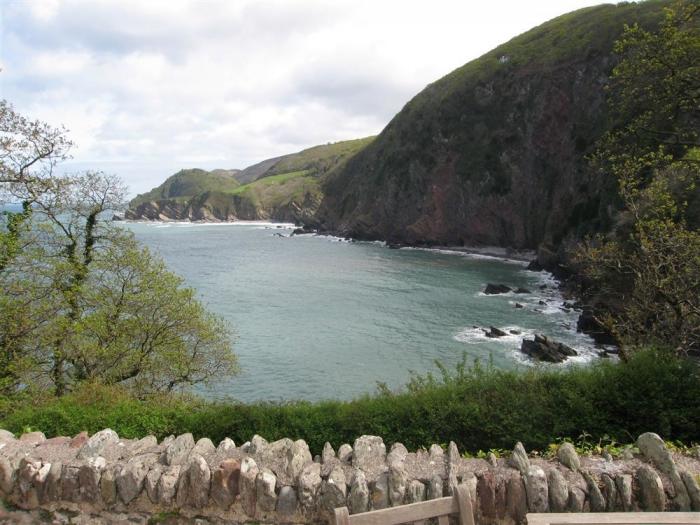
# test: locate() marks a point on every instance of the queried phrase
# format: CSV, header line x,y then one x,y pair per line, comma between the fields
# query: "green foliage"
x,y
648,269
188,183
279,183
478,407
318,160
80,301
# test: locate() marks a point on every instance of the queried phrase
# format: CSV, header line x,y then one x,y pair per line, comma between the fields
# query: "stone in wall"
x,y
278,482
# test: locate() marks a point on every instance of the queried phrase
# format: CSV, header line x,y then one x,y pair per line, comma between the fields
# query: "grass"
x,y
480,408
293,178
188,183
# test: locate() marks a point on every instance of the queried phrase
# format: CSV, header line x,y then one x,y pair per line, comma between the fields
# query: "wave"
x,y
468,254
194,224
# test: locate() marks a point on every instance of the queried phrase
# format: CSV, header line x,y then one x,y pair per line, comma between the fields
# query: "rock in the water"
x,y
493,289
544,349
518,305
522,290
535,266
568,456
519,460
494,332
558,491
651,490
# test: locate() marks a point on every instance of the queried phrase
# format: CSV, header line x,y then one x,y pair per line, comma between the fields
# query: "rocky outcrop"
x,y
493,289
495,152
544,349
109,478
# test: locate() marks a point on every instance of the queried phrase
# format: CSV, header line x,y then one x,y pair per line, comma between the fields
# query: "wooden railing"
x,y
615,518
417,513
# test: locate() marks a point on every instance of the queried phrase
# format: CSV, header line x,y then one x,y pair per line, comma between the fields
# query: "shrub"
x,y
479,408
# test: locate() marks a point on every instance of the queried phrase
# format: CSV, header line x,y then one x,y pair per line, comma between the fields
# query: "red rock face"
x,y
495,153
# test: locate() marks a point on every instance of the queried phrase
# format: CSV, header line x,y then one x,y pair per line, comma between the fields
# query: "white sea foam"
x,y
468,255
194,224
476,335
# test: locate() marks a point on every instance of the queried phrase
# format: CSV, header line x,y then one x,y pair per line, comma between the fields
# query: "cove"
x,y
316,317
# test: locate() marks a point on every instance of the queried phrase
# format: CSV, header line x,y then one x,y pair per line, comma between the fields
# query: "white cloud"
x,y
147,87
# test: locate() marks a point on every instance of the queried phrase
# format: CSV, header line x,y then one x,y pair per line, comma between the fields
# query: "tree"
x,y
648,268
81,300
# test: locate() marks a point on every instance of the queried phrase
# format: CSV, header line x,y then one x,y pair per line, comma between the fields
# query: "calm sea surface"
x,y
318,318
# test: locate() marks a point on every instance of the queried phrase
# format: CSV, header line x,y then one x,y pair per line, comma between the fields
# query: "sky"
x,y
149,87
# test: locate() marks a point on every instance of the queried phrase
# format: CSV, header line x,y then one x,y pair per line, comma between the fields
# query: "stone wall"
x,y
102,478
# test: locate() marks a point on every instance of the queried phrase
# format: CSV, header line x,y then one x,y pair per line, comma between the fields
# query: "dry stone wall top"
x,y
103,476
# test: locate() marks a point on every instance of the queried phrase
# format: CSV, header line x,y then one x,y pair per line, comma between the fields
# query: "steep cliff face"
x,y
284,188
494,153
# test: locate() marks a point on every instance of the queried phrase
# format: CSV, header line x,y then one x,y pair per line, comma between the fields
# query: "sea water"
x,y
317,317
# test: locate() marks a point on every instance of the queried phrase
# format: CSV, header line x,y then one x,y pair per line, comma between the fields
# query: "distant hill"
x,y
282,188
495,152
188,183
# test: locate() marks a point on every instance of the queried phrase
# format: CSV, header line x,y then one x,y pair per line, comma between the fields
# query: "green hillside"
x,y
494,152
188,183
287,188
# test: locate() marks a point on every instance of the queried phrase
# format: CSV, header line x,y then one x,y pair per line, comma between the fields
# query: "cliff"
x,y
285,188
495,152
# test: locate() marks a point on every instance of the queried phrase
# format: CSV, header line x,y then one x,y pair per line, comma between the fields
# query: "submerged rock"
x,y
493,289
494,332
544,349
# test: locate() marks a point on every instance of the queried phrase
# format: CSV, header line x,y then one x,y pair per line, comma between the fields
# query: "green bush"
x,y
480,408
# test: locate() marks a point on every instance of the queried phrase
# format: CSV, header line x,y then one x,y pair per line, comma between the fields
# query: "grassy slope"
x,y
318,159
283,180
450,120
479,409
188,183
